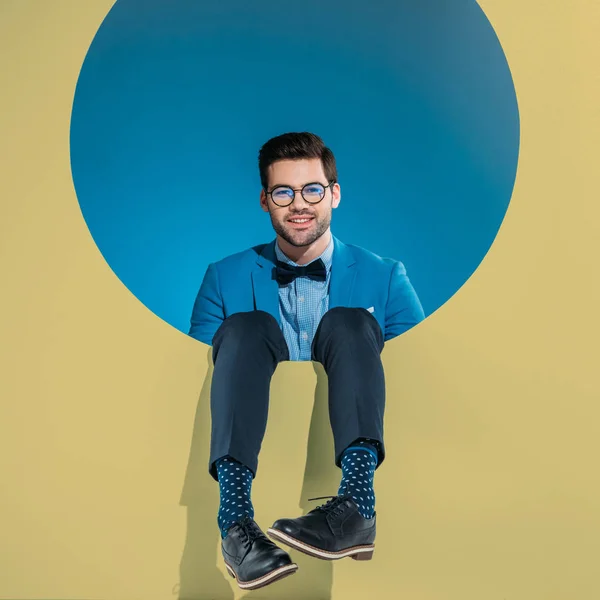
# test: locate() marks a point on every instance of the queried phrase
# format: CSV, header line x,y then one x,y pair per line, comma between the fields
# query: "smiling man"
x,y
303,296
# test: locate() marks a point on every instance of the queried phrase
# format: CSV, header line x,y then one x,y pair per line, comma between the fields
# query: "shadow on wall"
x,y
202,574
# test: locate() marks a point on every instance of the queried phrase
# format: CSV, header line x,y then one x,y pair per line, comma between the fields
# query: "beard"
x,y
302,238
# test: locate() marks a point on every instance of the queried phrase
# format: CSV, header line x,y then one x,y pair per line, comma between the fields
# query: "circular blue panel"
x,y
175,99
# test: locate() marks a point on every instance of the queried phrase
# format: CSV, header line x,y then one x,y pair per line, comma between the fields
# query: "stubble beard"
x,y
300,239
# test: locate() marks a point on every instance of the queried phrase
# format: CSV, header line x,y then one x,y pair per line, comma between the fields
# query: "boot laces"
x,y
249,530
334,506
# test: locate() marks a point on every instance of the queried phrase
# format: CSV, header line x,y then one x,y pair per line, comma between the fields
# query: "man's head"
x,y
294,160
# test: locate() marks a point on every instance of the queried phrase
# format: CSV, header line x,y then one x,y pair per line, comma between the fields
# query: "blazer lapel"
x,y
265,287
343,275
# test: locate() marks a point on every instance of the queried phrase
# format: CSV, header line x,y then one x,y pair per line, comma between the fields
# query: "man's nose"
x,y
299,199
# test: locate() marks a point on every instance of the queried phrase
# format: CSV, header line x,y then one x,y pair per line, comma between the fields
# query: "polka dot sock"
x,y
358,470
235,484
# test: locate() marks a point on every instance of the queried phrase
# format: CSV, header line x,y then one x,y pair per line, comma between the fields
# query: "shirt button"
x,y
304,335
300,298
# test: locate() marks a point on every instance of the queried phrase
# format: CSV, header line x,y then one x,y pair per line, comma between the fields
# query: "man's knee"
x,y
249,331
344,320
345,325
253,324
344,329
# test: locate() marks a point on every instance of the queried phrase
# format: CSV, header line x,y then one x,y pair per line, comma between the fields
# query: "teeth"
x,y
299,220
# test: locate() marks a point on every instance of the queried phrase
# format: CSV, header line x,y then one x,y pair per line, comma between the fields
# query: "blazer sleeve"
x,y
403,309
208,312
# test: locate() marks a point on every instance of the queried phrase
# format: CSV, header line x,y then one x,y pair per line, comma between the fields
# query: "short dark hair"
x,y
293,146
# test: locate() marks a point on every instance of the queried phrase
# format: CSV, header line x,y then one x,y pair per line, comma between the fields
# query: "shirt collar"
x,y
326,256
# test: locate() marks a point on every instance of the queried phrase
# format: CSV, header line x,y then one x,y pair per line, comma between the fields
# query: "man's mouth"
x,y
301,223
300,220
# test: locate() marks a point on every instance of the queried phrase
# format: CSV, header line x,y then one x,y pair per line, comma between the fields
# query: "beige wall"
x,y
491,488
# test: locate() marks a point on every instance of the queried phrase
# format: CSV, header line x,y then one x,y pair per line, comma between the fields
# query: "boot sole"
x,y
363,552
266,579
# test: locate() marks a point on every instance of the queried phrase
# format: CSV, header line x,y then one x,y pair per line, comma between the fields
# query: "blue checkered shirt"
x,y
302,304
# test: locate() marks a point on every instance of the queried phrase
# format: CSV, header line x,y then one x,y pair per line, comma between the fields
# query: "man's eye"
x,y
314,189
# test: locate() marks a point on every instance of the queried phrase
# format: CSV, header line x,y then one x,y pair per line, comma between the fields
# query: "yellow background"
x,y
491,489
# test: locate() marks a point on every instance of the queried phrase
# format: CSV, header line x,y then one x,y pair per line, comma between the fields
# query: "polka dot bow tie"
x,y
285,273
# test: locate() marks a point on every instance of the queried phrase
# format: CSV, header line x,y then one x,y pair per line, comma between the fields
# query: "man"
x,y
304,296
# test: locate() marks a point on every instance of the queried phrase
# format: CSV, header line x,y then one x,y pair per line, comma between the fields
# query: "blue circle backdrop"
x,y
176,97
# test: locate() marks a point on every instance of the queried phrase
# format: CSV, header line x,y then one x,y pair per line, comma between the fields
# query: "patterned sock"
x,y
235,484
358,470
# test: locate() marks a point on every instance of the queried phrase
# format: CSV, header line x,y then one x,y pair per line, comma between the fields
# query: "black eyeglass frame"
x,y
301,190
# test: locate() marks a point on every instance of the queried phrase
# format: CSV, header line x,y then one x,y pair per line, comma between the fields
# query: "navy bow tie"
x,y
285,273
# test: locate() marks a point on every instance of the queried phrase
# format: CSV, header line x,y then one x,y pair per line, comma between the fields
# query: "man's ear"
x,y
336,193
264,201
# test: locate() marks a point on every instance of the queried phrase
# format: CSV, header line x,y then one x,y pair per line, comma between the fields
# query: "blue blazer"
x,y
359,279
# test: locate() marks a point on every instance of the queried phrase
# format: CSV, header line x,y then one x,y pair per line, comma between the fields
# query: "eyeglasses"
x,y
313,193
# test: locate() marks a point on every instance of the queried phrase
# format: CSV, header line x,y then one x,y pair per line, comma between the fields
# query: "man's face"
x,y
295,174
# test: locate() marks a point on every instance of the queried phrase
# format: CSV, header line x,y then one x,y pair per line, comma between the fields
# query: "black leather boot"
x,y
330,532
252,558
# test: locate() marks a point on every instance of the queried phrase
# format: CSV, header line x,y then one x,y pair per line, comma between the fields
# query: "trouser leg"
x,y
246,350
348,343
